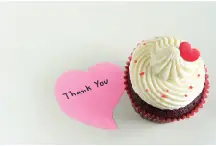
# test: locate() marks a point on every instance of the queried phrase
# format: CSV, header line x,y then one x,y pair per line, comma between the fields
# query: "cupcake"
x,y
166,79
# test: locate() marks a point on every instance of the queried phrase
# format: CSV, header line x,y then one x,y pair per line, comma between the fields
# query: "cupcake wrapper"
x,y
158,119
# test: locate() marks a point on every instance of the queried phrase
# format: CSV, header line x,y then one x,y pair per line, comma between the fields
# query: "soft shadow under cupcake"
x,y
125,116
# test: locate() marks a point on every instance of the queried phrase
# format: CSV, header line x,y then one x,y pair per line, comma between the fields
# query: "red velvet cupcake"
x,y
166,79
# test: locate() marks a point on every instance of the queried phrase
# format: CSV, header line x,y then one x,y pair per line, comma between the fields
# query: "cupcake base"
x,y
163,116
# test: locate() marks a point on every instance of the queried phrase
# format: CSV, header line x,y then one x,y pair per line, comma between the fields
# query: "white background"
x,y
39,41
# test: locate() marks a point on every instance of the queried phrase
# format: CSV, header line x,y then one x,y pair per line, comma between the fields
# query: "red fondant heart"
x,y
187,53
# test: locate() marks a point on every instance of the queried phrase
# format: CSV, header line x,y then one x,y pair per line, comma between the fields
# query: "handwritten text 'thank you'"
x,y
97,83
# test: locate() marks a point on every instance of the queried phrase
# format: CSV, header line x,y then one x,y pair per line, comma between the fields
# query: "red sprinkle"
x,y
142,73
135,61
147,90
129,57
163,95
190,87
198,75
185,95
167,90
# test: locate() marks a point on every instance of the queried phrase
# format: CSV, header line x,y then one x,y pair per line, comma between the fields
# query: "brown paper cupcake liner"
x,y
155,118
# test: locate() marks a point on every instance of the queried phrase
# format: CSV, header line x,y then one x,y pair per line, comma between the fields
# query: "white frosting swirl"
x,y
167,81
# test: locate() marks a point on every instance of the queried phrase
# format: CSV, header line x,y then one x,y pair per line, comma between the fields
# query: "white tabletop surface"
x,y
39,41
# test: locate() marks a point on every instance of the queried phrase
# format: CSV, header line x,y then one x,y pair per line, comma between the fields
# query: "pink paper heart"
x,y
91,96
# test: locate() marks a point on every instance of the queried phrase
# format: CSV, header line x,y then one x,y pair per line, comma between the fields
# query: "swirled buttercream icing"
x,y
161,77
